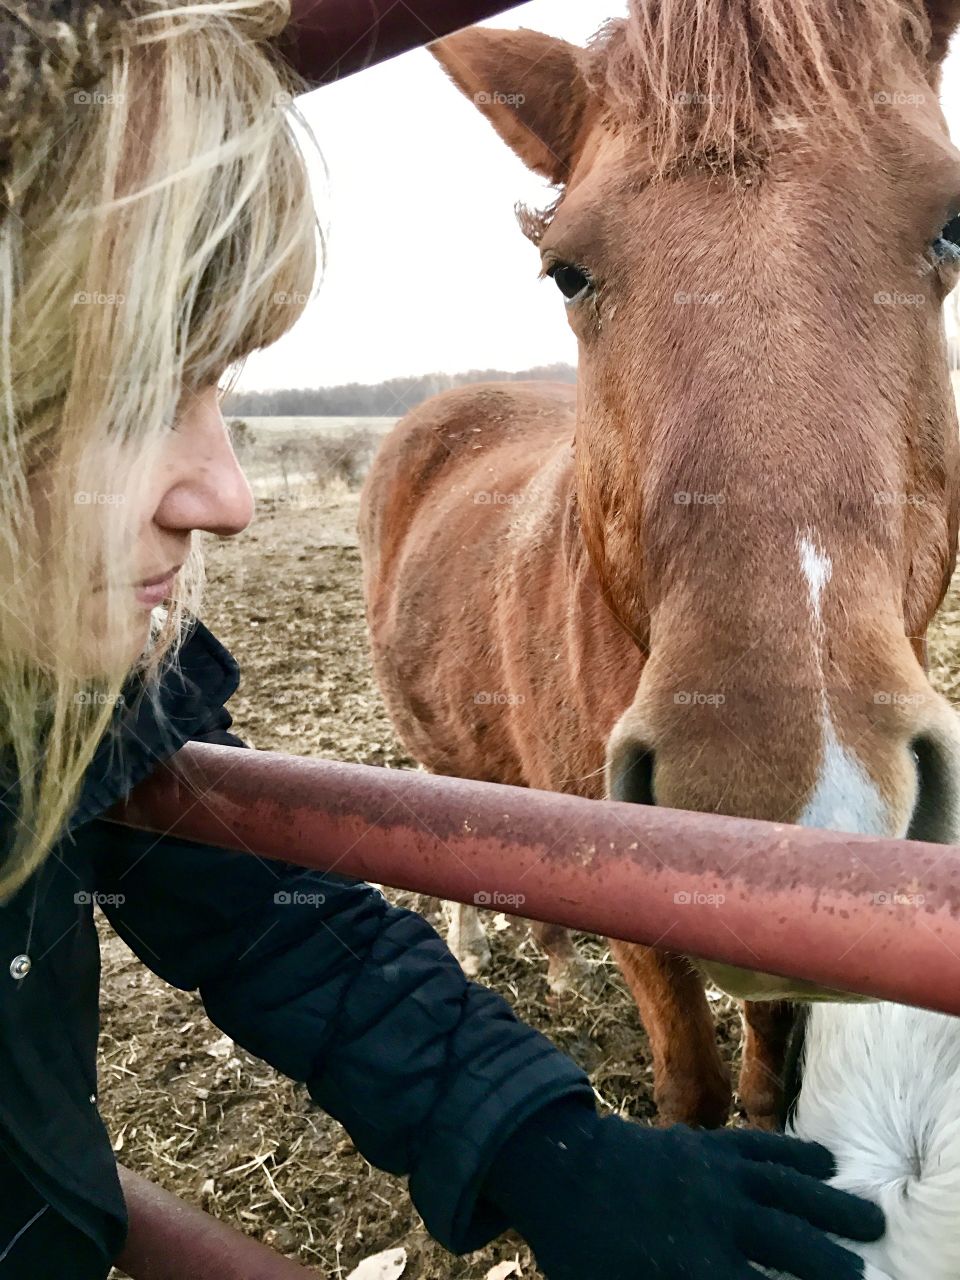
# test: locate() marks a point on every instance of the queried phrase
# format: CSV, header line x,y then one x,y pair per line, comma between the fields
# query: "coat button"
x,y
19,967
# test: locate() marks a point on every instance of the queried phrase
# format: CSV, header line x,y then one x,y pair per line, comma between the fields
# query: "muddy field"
x,y
205,1119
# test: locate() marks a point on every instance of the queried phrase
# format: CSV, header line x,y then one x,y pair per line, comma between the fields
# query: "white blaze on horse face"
x,y
844,798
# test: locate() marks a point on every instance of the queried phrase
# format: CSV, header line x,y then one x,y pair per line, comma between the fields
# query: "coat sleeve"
x,y
321,977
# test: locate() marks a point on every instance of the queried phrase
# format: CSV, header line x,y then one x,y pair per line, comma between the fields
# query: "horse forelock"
x,y
712,81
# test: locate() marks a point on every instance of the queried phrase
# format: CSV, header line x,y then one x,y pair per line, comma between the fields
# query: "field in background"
x,y
298,458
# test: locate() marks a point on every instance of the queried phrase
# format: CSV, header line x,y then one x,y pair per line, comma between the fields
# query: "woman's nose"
x,y
205,486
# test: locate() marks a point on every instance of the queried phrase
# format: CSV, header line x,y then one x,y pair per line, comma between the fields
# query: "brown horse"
x,y
703,578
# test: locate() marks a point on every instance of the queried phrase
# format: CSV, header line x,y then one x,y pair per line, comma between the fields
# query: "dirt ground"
x,y
217,1126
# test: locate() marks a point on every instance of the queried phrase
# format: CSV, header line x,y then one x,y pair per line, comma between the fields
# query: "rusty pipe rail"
x,y
878,917
170,1239
326,40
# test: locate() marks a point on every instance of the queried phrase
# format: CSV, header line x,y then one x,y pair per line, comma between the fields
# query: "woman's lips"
x,y
153,591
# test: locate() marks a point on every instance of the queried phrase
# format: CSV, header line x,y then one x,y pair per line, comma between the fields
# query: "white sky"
x,y
427,269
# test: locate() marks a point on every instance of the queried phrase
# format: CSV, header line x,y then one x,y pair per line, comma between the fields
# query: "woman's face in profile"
x,y
196,483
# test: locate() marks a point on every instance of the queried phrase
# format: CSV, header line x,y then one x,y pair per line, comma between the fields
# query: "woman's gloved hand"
x,y
600,1198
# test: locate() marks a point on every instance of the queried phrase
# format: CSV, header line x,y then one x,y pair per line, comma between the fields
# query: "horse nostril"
x,y
631,774
934,814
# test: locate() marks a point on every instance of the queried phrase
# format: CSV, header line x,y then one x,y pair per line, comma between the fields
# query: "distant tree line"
x,y
388,399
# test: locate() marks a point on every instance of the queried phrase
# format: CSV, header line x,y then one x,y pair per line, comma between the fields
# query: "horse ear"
x,y
944,17
528,85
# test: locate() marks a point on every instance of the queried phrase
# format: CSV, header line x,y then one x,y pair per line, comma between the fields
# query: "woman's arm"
x,y
321,977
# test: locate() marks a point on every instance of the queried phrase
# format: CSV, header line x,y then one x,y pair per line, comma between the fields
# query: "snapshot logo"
x,y
488,698
696,98
684,299
493,898
95,698
498,99
695,898
683,498
888,498
907,897
88,297
693,698
97,98
493,498
891,698
91,498
298,898
896,98
894,298
83,898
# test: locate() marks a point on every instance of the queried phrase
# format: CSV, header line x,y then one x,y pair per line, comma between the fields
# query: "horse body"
x,y
520,677
709,572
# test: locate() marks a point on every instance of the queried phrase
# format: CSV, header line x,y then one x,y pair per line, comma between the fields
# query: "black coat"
x,y
314,973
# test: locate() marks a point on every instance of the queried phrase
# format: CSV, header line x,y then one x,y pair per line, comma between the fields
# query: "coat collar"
x,y
190,693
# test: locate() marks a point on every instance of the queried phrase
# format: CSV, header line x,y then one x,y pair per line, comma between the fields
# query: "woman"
x,y
157,226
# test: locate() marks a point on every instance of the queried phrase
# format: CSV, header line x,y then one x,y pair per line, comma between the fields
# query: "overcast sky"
x,y
427,269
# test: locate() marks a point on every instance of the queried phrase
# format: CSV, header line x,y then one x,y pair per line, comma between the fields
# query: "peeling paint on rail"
x,y
854,913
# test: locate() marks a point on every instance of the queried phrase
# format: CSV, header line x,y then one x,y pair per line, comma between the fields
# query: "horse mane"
x,y
712,81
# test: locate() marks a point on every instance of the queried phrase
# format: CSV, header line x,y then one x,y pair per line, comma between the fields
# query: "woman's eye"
x,y
946,247
571,281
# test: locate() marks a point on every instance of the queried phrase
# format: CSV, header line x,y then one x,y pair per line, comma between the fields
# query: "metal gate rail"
x,y
878,917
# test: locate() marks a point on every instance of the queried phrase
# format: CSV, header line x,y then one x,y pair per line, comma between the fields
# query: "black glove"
x,y
600,1198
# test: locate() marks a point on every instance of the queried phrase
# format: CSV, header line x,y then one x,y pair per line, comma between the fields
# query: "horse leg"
x,y
690,1083
466,937
767,1025
566,971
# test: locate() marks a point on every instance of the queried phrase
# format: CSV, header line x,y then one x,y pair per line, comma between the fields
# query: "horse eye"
x,y
946,247
571,281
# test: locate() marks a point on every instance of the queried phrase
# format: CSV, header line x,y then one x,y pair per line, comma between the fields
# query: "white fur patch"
x,y
845,797
816,567
881,1089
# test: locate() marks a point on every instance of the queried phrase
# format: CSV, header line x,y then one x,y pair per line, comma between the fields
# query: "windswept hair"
x,y
710,82
161,230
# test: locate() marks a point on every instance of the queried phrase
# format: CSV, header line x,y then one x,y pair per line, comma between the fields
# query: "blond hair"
x,y
159,228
